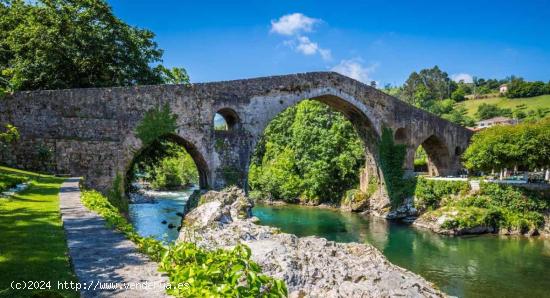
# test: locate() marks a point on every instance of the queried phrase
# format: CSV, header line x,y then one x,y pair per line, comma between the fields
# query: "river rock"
x,y
545,230
435,223
310,266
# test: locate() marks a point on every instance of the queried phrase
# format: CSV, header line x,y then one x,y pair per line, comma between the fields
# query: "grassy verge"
x,y
205,273
32,245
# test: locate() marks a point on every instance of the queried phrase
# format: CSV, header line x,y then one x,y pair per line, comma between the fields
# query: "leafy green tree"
x,y
428,84
499,147
53,44
520,88
487,111
459,115
308,152
175,75
458,95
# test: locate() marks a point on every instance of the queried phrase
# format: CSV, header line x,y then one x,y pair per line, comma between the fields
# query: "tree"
x,y
487,111
436,86
309,152
499,147
176,75
53,44
458,95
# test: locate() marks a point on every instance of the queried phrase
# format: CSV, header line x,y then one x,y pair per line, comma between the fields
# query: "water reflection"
x,y
471,266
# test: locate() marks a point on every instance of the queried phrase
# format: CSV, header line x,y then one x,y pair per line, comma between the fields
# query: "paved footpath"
x,y
102,255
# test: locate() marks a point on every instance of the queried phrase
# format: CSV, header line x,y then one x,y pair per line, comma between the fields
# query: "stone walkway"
x,y
102,257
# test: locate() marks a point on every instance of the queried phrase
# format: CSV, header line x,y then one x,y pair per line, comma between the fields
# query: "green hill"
x,y
531,103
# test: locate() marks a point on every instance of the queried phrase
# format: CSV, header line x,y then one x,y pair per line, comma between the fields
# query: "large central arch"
x,y
360,120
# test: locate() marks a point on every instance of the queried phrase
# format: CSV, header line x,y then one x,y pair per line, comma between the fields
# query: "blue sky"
x,y
378,40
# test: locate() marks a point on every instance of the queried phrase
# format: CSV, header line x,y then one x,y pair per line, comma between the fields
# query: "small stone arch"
x,y
439,159
192,150
231,118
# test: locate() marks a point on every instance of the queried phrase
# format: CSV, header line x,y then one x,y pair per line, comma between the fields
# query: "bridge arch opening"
x,y
226,119
169,162
314,152
436,155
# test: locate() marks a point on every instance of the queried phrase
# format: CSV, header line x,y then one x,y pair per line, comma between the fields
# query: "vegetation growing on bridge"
x,y
308,153
209,273
392,157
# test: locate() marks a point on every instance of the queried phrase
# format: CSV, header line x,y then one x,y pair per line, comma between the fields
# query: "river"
x,y
471,266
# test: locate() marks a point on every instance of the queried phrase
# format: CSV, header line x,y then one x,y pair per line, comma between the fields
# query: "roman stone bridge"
x,y
91,132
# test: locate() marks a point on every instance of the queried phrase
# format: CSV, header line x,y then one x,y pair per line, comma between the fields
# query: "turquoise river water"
x,y
471,266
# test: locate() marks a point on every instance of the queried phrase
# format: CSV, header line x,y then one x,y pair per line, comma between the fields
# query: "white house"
x,y
503,88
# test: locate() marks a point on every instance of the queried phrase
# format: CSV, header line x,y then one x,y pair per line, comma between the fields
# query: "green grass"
x,y
32,240
531,103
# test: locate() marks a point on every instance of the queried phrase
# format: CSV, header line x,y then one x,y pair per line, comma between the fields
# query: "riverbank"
x,y
310,265
452,207
489,266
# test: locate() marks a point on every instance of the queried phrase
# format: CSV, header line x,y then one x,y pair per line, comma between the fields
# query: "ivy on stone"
x,y
156,123
392,157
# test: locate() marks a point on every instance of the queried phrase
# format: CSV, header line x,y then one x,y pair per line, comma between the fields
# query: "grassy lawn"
x,y
531,103
32,240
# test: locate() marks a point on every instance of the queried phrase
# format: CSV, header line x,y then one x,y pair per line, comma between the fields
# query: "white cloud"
x,y
307,47
292,24
326,54
354,69
467,78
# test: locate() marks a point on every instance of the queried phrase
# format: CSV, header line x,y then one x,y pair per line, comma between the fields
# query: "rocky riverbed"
x,y
310,266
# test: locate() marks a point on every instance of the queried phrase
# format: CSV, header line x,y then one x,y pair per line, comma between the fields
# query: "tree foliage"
x,y
308,152
174,170
520,88
499,147
428,85
54,44
488,111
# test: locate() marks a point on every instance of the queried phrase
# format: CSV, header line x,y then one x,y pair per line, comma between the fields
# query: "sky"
x,y
381,41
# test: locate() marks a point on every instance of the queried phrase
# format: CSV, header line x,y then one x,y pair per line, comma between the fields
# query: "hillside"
x,y
531,103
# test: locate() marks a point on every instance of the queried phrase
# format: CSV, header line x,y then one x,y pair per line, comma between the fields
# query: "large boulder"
x,y
310,266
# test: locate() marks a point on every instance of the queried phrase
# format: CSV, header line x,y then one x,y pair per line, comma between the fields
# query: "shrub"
x,y
429,193
514,198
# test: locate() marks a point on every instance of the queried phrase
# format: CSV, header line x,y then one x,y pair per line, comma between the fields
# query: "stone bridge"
x,y
91,132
